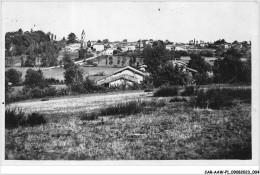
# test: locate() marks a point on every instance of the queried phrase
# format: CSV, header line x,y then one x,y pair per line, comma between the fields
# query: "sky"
x,y
175,21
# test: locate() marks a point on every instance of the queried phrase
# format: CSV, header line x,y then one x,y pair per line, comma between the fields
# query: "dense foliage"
x,y
37,45
232,69
13,76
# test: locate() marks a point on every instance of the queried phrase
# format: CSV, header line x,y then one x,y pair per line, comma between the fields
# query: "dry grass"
x,y
170,131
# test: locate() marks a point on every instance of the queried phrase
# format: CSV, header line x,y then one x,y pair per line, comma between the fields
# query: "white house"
x,y
126,76
179,48
182,64
73,47
169,47
98,47
130,47
109,51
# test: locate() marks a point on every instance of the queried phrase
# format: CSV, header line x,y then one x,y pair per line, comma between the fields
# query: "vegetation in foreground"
x,y
170,132
17,117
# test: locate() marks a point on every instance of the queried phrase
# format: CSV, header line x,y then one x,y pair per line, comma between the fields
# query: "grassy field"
x,y
57,73
172,131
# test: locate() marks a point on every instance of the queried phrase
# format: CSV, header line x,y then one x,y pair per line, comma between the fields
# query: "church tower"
x,y
83,38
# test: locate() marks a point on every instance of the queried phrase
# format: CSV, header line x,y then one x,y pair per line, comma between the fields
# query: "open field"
x,y
57,73
171,131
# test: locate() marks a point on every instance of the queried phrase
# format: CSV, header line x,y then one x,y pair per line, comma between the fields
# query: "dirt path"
x,y
78,103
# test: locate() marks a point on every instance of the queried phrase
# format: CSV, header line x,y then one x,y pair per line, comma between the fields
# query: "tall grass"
x,y
126,108
166,91
189,90
178,99
217,98
15,117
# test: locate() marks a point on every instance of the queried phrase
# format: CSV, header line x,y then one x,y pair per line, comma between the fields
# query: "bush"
x,y
33,78
188,91
14,76
166,92
14,118
49,91
90,116
220,97
36,93
178,99
35,119
100,74
63,91
78,87
126,108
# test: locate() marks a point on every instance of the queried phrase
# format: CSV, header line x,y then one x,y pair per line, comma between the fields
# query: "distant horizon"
x,y
115,21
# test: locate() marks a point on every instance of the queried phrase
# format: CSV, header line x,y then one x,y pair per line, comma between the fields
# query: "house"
x,y
73,47
126,76
227,46
179,48
182,64
130,47
169,47
109,51
98,47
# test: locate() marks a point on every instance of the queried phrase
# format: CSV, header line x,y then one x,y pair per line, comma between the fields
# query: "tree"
x,y
67,61
33,78
105,41
231,68
14,76
154,57
169,75
72,38
125,40
110,60
30,61
20,31
198,63
73,77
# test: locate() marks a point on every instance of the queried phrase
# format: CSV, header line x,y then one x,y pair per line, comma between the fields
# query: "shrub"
x,y
126,108
49,91
14,76
63,91
36,93
14,118
35,119
33,78
100,74
166,91
90,116
220,97
188,91
178,99
78,87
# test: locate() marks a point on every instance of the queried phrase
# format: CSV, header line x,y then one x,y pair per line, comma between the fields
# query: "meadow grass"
x,y
217,98
178,99
174,131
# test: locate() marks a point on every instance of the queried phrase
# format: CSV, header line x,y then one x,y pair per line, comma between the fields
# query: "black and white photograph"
x,y
115,81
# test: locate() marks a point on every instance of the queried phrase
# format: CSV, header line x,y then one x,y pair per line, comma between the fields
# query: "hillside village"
x,y
48,53
96,82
